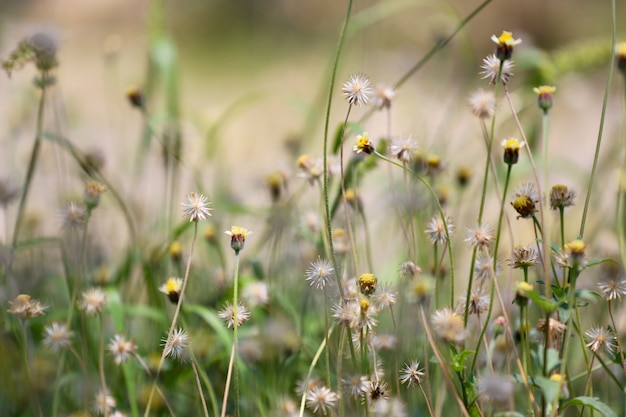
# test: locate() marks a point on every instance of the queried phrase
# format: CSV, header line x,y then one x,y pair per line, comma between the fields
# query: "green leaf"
x,y
592,402
458,360
550,389
592,262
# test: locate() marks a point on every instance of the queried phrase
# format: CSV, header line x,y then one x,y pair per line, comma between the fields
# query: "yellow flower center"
x,y
576,247
172,285
544,89
511,144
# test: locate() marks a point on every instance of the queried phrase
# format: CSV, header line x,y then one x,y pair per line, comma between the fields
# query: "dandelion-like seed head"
x,y
367,284
555,327
57,336
561,196
321,399
232,315
482,103
408,270
238,237
523,256
177,345
496,389
121,348
93,301
104,403
255,293
404,149
26,307
377,391
504,45
383,96
612,289
385,297
73,216
172,288
491,69
320,273
436,230
483,268
363,144
545,97
525,201
197,207
411,374
478,303
511,150
356,385
480,237
357,89
600,338
449,326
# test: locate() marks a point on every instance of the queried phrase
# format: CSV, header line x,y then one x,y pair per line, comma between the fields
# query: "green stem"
x,y
235,331
602,116
621,188
101,362
34,155
316,358
498,233
331,90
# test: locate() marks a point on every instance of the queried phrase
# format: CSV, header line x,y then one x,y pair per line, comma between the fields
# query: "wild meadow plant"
x,y
515,317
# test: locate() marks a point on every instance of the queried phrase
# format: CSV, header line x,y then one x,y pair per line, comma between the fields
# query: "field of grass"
x,y
315,212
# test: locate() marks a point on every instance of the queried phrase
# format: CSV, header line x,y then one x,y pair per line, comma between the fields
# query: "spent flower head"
x,y
367,283
496,389
411,374
449,325
73,215
93,301
477,305
121,348
436,229
525,201
177,345
479,237
491,69
404,149
357,89
612,289
197,207
505,44
26,307
57,336
230,314
383,97
561,196
238,237
600,338
321,398
320,273
104,403
523,256
482,103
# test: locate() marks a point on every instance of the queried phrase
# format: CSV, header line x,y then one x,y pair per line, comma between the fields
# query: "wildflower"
x,y
8,192
479,237
525,201
491,69
276,182
511,150
545,98
136,97
231,314
320,273
521,293
385,297
57,336
478,302
436,230
93,191
483,268
196,207
93,301
463,176
383,97
403,150
449,325
377,391
409,270
482,103
304,385
433,165
366,318
523,256
321,398
354,200
26,307
383,342
357,89
573,255
621,57
177,345
172,289
561,380
255,293
555,328
367,284
612,289
104,403
356,385
505,43
238,237
175,250
600,338
561,196
73,216
391,407
341,243
496,389
411,374
121,348
311,168
363,144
